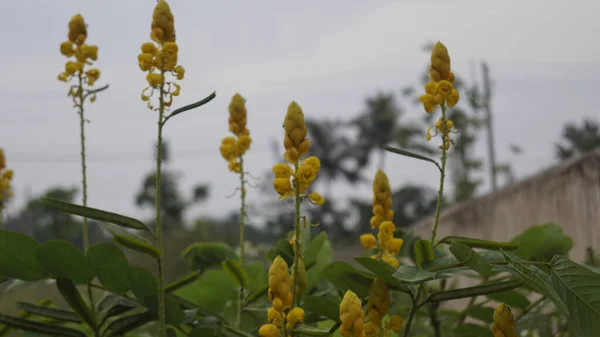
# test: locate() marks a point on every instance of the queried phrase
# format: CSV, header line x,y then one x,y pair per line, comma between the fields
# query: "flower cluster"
x,y
290,182
440,92
5,179
382,218
83,55
232,148
159,58
280,295
378,306
352,316
504,322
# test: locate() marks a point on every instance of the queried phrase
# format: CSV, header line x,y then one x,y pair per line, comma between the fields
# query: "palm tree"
x,y
578,139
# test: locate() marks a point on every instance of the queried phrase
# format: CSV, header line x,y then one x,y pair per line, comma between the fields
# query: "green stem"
x,y
242,233
413,310
159,229
85,228
435,322
1,215
460,264
297,247
438,207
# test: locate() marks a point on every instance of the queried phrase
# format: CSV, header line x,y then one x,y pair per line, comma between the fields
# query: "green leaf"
x,y
534,278
95,214
312,250
237,272
579,288
469,329
410,154
39,327
484,314
423,252
511,298
193,105
138,245
125,324
174,314
75,301
204,255
63,259
58,314
255,295
143,284
414,275
183,282
203,331
541,243
471,259
383,271
120,307
489,289
307,330
447,261
110,266
478,243
345,277
323,306
17,257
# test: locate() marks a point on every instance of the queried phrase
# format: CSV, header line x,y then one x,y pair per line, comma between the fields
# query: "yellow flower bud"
x,y
371,330
66,48
145,61
149,48
269,330
154,80
444,88
280,285
378,304
274,317
453,98
368,241
351,316
316,198
294,317
8,175
77,30
440,63
282,170
504,322
180,72
395,323
177,89
395,245
163,23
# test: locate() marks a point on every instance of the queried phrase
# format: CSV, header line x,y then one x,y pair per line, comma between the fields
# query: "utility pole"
x,y
487,97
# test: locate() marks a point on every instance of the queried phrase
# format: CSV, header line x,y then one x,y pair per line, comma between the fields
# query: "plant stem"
x,y
297,247
85,228
413,310
460,264
159,230
438,207
532,306
435,322
242,231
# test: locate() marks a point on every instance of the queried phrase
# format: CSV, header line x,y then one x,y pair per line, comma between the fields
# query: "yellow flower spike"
x,y
382,199
371,330
440,63
386,233
269,330
295,129
378,304
351,316
504,322
444,89
77,30
163,23
316,198
180,72
243,144
280,285
453,98
395,323
238,116
368,241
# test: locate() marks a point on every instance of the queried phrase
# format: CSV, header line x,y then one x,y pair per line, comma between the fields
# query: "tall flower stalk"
x,y
159,59
80,71
233,150
438,92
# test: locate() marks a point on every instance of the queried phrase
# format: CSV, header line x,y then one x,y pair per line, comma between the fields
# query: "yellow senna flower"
x,y
163,23
371,330
280,285
378,303
274,317
395,323
504,322
316,198
145,61
368,241
180,72
154,80
269,330
77,30
294,317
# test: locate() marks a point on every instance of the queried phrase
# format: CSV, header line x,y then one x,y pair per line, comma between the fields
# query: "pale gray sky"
x,y
326,55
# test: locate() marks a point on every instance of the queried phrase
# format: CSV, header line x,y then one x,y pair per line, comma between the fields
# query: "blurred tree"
x,y
578,139
332,147
173,204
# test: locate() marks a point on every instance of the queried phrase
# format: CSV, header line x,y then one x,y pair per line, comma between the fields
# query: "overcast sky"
x,y
326,55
